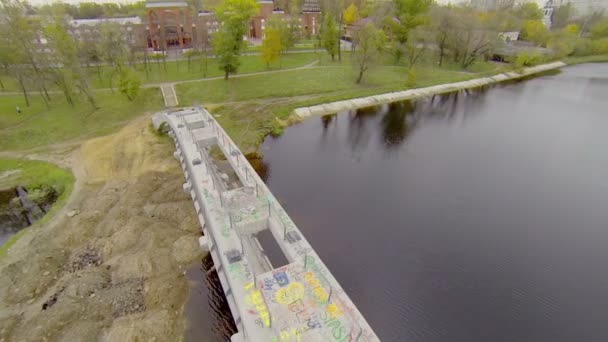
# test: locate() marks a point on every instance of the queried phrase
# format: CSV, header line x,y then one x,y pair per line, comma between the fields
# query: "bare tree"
x,y
370,42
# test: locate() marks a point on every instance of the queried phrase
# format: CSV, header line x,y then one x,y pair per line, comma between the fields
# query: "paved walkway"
x,y
169,96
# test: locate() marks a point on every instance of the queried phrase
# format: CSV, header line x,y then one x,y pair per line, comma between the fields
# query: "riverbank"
x,y
114,268
46,183
369,101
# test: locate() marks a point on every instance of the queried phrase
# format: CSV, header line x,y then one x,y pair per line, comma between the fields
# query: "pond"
x,y
474,216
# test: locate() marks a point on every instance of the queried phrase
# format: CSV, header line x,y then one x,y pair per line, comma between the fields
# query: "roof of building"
x,y
93,22
311,6
165,3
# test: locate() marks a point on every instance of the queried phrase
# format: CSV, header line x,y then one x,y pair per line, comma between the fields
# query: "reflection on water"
x,y
473,216
207,311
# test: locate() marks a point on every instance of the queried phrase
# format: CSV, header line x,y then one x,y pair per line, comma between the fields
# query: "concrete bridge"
x,y
293,298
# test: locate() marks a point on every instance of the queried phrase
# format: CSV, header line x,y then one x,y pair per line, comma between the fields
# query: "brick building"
x,y
130,28
170,24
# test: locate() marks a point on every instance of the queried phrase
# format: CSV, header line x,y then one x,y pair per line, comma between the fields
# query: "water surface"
x,y
480,216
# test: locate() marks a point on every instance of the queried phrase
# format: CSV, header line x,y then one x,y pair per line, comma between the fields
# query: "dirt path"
x,y
115,270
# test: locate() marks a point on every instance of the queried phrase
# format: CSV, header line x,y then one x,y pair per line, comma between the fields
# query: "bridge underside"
x,y
298,300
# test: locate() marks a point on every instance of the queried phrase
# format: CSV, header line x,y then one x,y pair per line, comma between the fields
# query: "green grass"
x,y
178,70
34,175
587,59
39,126
310,81
99,77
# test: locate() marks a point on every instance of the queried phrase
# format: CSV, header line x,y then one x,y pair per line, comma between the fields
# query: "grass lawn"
x,y
39,126
34,175
179,71
587,59
316,80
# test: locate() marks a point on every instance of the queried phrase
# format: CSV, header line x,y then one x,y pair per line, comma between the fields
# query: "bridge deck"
x,y
300,301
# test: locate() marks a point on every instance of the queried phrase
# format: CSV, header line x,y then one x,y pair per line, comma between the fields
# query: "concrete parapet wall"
x,y
362,102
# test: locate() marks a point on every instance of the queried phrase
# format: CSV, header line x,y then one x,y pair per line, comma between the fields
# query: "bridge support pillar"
x,y
203,241
187,187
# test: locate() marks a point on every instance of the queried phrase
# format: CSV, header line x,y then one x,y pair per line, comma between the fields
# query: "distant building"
x,y
580,8
130,28
488,5
509,36
583,7
170,25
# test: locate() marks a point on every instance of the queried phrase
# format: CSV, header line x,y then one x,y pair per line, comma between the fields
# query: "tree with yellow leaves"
x,y
351,14
271,46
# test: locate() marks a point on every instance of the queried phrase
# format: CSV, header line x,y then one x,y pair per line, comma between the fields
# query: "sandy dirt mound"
x,y
129,153
114,270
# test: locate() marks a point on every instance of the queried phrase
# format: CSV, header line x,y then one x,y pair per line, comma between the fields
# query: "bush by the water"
x,y
528,59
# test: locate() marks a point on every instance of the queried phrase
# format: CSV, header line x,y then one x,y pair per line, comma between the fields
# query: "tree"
x,y
234,16
409,14
529,11
471,38
562,16
329,32
227,50
113,48
370,42
535,31
443,23
416,45
20,35
89,10
351,14
129,84
599,29
289,29
65,61
271,46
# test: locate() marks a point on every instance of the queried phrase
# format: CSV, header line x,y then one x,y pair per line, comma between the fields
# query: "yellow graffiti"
x,y
255,298
289,333
333,311
291,293
317,289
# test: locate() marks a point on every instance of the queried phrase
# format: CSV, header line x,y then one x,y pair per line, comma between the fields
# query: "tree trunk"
x,y
340,38
226,74
25,96
46,102
46,93
1,84
360,78
99,72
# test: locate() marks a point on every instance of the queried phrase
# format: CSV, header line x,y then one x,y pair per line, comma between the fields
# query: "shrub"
x,y
528,58
583,47
600,46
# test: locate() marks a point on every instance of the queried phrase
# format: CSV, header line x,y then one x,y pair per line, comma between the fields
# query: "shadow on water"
x,y
400,119
207,311
259,165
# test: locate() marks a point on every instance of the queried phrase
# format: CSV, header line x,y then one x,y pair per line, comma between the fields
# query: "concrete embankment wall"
x,y
362,102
